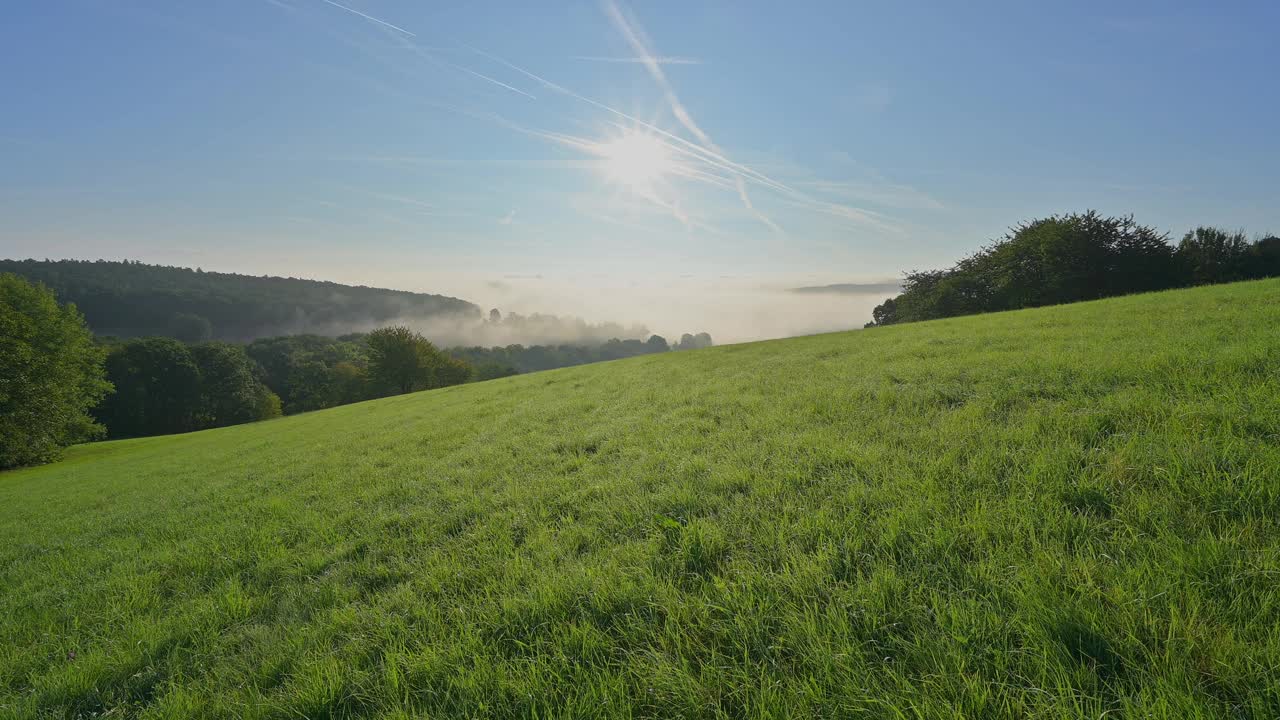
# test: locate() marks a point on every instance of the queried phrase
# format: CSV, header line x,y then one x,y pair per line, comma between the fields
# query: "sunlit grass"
x,y
1065,512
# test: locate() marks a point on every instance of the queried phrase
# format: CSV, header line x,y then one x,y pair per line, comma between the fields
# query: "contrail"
x,y
639,43
707,152
431,58
486,78
668,60
688,148
371,18
750,206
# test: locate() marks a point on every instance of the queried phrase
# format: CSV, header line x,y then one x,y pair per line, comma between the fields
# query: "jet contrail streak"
x,y
371,18
639,43
670,60
486,78
692,148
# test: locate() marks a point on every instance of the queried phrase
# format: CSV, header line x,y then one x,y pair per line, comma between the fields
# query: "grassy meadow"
x,y
1055,513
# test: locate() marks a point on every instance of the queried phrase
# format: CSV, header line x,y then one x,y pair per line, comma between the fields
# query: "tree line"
x,y
497,362
60,386
133,299
162,385
1074,257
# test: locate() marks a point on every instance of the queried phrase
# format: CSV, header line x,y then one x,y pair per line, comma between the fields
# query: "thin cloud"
x,y
673,142
465,162
635,36
700,159
695,152
741,186
371,18
859,216
486,78
639,42
413,202
666,60
426,54
880,192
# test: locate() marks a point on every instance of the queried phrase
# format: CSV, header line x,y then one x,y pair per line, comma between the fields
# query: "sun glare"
x,y
636,161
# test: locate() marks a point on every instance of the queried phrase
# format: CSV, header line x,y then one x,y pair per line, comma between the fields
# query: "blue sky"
x,y
421,144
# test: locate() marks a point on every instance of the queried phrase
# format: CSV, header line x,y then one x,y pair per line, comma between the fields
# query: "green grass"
x,y
1065,512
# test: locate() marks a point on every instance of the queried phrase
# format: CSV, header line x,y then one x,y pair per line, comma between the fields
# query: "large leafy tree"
x,y
402,361
230,391
157,385
1213,255
1067,258
1264,258
310,372
50,374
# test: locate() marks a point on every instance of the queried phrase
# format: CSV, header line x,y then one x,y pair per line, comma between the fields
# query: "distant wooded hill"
x,y
132,299
849,289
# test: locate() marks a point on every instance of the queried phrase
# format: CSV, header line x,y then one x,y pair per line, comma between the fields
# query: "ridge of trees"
x,y
60,385
132,299
1074,257
496,362
164,386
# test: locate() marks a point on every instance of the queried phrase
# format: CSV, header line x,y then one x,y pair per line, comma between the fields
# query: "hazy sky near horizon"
x,y
469,148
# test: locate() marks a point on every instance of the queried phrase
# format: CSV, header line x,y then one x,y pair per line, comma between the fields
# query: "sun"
x,y
636,161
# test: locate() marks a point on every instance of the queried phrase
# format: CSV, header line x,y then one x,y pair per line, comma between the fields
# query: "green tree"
x,y
1212,255
310,385
1060,259
230,392
349,383
1264,258
493,371
1068,258
401,360
304,370
50,374
451,371
886,313
157,386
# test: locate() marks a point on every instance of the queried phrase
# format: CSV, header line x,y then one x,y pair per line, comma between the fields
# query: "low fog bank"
x,y
731,310
512,328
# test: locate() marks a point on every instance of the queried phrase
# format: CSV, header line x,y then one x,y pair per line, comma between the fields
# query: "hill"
x,y
131,299
1063,512
849,289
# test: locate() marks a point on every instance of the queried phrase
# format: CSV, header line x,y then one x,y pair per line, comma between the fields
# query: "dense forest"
x,y
311,372
162,385
130,299
1081,256
67,386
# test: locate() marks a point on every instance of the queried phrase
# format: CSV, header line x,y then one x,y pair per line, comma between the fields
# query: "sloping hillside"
x,y
1061,512
130,299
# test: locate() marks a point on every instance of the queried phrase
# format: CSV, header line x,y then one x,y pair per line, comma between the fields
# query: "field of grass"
x,y
1065,512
